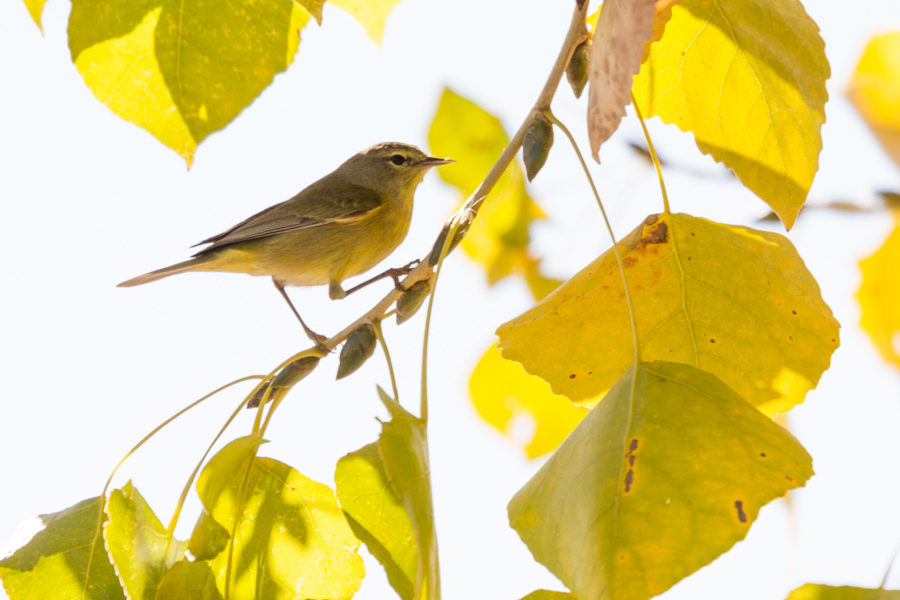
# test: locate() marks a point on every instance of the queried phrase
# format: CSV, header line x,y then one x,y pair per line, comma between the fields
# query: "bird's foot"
x,y
318,339
404,270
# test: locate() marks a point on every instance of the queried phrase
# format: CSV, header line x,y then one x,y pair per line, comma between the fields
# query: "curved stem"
x,y
615,247
387,356
662,184
451,233
132,451
173,522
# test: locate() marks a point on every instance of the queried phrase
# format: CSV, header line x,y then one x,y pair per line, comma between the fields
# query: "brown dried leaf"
x,y
623,27
619,31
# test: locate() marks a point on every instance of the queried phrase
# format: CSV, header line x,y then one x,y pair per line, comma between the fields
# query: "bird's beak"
x,y
433,161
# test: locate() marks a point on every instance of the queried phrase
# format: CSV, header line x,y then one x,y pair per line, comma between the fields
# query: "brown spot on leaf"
x,y
741,515
794,311
762,454
789,478
631,460
572,376
628,261
590,372
657,235
651,219
629,479
633,446
712,341
693,234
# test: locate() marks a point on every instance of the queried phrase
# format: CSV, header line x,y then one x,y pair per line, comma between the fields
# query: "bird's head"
x,y
393,167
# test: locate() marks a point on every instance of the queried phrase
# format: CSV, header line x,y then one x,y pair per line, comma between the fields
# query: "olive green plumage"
x,y
340,226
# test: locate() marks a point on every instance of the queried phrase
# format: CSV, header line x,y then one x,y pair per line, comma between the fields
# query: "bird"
x,y
338,227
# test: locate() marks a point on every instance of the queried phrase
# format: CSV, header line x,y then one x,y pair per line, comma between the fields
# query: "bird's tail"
x,y
182,267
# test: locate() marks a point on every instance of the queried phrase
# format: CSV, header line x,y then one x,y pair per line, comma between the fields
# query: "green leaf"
x,y
874,90
377,516
666,474
499,237
208,538
136,542
403,447
182,69
291,538
879,296
548,595
732,301
747,78
371,14
501,390
189,581
813,591
64,560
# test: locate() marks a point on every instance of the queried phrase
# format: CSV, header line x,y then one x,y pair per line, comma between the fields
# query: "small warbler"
x,y
340,226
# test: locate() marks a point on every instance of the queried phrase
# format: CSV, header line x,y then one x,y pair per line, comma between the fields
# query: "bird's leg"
x,y
336,292
318,340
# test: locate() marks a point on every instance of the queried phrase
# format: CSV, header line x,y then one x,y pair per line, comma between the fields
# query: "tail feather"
x,y
182,267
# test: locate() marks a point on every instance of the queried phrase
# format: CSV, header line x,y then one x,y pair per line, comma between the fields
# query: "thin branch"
x,y
576,34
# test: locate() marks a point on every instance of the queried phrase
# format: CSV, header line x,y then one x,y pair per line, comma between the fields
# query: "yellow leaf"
x,y
291,539
879,296
313,7
875,91
732,301
371,14
661,478
747,78
36,9
501,390
181,69
621,31
133,58
814,591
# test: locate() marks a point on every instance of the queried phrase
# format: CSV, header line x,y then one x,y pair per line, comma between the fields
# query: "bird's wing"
x,y
310,208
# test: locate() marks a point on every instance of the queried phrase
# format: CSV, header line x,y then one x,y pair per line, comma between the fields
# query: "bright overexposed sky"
x,y
87,369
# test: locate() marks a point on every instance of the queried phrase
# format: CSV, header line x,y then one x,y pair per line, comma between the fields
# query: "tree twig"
x,y
576,34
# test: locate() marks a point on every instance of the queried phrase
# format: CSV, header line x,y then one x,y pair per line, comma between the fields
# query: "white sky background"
x,y
88,369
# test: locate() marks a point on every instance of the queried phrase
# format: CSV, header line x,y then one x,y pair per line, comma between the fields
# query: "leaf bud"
x,y
357,350
295,371
411,300
258,396
439,244
577,71
536,146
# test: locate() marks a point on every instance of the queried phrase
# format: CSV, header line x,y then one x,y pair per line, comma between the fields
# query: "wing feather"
x,y
320,204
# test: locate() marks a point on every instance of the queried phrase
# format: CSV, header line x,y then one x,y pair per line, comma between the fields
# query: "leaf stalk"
x,y
634,332
662,183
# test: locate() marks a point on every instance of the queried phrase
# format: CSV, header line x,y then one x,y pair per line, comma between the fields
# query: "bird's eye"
x,y
398,159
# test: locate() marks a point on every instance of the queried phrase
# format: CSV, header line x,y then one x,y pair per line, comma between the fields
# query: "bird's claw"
x,y
318,340
404,270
